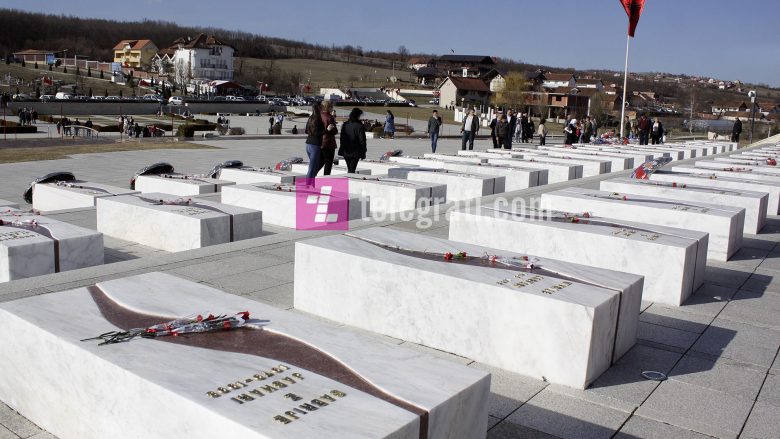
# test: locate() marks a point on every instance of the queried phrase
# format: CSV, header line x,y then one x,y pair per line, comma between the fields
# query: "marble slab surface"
x,y
639,157
279,205
516,178
4,204
177,185
378,167
472,160
75,194
392,195
557,172
729,171
671,260
155,388
50,246
590,166
460,185
173,224
754,203
562,327
763,169
728,182
618,162
723,223
251,175
303,168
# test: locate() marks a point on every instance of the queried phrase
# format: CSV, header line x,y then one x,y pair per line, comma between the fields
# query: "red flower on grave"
x,y
575,220
448,256
245,315
674,184
199,318
586,215
625,198
493,259
226,325
461,255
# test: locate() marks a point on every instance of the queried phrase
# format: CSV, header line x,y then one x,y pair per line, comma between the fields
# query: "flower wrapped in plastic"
x,y
195,324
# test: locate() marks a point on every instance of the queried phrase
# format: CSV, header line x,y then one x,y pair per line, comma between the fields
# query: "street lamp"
x,y
575,91
752,96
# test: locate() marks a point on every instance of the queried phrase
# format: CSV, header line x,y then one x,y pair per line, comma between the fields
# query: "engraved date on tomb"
x,y
192,211
16,234
272,378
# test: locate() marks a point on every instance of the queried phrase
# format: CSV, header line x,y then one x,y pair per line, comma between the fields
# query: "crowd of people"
x,y
69,127
644,129
131,128
27,116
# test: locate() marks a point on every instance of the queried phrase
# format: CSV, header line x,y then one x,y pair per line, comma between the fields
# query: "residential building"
x,y
456,90
135,53
556,80
418,63
589,83
730,107
202,57
466,66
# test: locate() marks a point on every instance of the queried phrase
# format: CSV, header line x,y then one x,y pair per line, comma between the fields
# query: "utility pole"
x,y
752,95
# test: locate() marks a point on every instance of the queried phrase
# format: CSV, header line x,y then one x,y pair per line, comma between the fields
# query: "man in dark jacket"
x,y
353,140
644,129
736,131
511,120
493,136
469,129
434,127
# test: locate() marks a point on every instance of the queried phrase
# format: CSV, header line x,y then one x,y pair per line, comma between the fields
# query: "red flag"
x,y
634,11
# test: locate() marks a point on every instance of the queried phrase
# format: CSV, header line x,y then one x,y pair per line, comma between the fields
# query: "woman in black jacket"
x,y
353,140
315,128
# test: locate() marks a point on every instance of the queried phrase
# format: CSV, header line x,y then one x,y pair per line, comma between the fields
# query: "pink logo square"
x,y
322,203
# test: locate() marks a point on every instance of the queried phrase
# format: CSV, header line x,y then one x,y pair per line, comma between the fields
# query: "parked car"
x,y
62,96
176,100
434,101
262,99
21,97
112,98
235,98
47,98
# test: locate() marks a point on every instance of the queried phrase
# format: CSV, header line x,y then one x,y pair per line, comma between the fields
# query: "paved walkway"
x,y
720,349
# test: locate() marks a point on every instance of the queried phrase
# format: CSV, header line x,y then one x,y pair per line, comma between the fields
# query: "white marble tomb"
x,y
515,178
671,260
179,184
590,166
278,202
263,175
755,203
734,172
763,169
557,172
8,204
473,160
303,168
729,182
460,185
379,167
75,194
393,195
317,380
723,223
562,328
173,224
34,245
618,162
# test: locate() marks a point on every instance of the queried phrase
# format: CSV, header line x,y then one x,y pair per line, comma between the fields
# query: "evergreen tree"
x,y
36,64
106,93
101,75
89,71
50,68
24,64
78,71
65,69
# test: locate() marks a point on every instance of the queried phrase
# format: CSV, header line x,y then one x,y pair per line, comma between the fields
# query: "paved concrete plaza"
x,y
719,349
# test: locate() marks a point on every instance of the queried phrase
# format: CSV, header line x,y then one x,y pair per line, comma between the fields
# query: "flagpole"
x,y
625,84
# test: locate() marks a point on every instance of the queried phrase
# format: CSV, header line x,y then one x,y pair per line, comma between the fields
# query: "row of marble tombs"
x,y
161,218
581,267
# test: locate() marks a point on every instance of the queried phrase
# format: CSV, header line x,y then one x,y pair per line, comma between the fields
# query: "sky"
x,y
727,40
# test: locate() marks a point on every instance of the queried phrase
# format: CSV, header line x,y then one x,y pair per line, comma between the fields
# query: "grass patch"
x,y
28,154
332,73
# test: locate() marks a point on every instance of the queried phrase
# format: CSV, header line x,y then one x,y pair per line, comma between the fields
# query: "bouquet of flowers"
x,y
394,153
286,165
185,325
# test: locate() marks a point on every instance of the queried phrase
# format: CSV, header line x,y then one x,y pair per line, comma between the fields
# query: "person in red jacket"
x,y
328,147
644,129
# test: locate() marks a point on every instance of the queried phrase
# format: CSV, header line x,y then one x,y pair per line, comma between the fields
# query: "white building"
x,y
202,57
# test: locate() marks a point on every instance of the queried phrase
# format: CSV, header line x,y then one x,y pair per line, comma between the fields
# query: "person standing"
x,y
524,128
530,127
571,133
627,128
511,119
434,128
389,129
502,130
314,132
588,130
469,129
644,129
736,130
493,124
328,146
353,140
542,132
